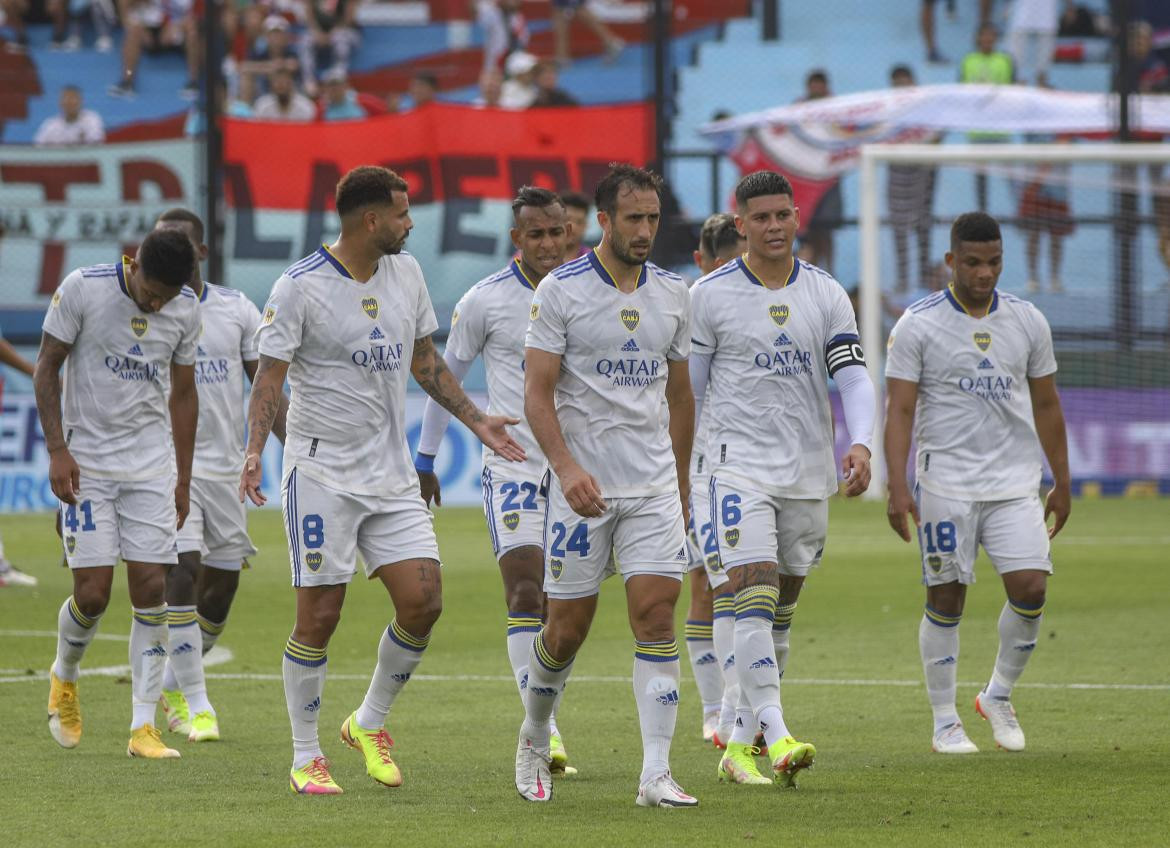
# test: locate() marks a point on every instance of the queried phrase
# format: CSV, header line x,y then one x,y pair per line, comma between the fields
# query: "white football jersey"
x,y
611,395
772,351
118,375
491,319
699,465
350,346
228,340
973,425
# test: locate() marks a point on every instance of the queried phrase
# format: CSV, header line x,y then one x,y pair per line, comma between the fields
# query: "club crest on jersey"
x,y
454,317
269,315
313,560
732,536
778,312
934,561
138,325
71,543
982,340
370,306
56,301
511,520
556,568
534,311
630,318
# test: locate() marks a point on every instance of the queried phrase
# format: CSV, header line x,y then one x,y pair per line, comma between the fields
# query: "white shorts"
x,y
1012,532
217,526
118,518
515,511
701,544
326,528
644,535
751,526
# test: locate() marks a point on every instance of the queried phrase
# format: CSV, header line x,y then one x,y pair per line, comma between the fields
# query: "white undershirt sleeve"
x,y
435,418
858,399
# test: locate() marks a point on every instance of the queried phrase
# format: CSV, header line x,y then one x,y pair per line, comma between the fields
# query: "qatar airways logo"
x,y
988,388
211,371
629,373
379,354
785,362
134,370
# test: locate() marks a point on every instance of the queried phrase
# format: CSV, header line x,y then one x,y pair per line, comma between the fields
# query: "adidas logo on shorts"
x,y
376,335
630,347
681,556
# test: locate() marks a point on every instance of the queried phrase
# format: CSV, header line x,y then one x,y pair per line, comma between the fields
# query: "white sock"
x,y
781,628
656,676
522,629
148,658
399,654
705,664
759,678
546,678
185,658
938,643
723,637
74,633
304,681
210,630
1018,626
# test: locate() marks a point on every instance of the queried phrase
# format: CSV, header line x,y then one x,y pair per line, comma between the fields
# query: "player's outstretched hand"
x,y
899,504
1058,504
250,479
182,503
582,491
855,469
428,487
64,475
492,430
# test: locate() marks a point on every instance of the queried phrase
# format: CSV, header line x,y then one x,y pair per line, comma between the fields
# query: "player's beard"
x,y
623,250
391,246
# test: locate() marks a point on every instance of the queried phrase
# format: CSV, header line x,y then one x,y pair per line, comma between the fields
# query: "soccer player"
x,y
577,207
608,399
769,331
213,542
491,320
970,369
709,631
126,334
10,575
345,324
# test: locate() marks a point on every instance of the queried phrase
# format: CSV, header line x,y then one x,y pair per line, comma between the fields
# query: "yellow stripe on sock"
x,y
78,616
305,652
208,626
1023,612
407,638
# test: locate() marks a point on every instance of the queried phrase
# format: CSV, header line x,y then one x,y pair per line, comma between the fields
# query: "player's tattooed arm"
x,y
250,368
64,474
263,407
436,379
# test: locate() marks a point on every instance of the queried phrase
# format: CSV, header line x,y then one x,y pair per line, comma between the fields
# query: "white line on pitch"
x,y
33,634
216,656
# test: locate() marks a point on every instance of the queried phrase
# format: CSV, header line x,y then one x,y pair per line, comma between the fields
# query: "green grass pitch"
x,y
1095,703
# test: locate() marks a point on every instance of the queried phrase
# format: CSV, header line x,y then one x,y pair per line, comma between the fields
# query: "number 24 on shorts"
x,y
578,541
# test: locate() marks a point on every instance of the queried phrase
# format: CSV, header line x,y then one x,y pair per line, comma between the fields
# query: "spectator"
x,y
547,93
74,125
1150,73
927,28
505,30
158,26
232,107
1044,209
910,194
422,89
273,49
519,90
988,66
491,85
14,12
66,16
283,102
816,245
1157,14
331,39
340,102
1031,34
563,12
577,207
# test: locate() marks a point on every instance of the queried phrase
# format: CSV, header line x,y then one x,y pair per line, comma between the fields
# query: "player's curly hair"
x,y
718,234
624,176
974,226
185,216
167,257
761,184
536,197
367,185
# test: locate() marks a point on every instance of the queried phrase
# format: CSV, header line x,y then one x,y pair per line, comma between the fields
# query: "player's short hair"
x,y
536,197
367,185
974,226
185,216
167,257
718,234
761,184
623,175
576,200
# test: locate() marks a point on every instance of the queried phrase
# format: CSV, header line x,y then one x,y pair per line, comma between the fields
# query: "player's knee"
x,y
92,600
525,596
1031,593
180,584
316,626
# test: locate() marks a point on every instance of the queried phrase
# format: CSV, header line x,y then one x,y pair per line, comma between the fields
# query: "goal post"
x,y
1110,324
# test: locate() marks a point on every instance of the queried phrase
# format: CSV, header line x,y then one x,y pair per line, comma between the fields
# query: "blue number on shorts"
x,y
71,521
578,540
941,533
511,493
710,546
313,530
731,513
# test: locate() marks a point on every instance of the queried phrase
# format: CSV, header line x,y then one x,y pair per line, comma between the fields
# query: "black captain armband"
x,y
843,350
